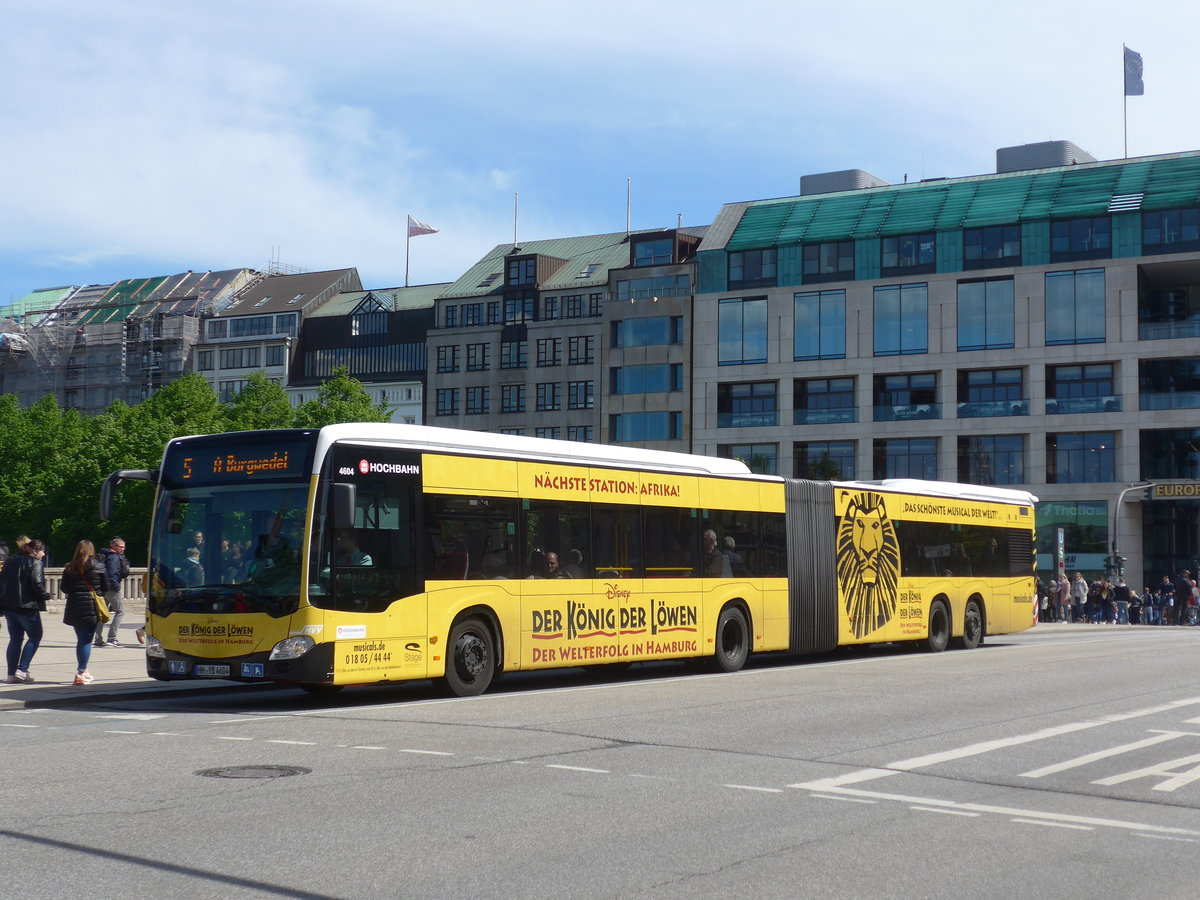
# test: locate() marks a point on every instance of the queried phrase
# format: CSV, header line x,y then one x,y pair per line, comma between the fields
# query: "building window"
x,y
572,307
1075,307
580,394
447,359
1089,237
588,270
204,360
824,460
996,245
285,323
550,308
513,355
228,390
472,314
905,397
908,254
493,312
550,432
580,350
1170,231
656,331
819,325
906,458
549,396
239,358
450,316
1169,383
742,331
828,262
479,357
512,398
995,459
549,352
762,459
447,401
518,310
217,328
822,401
648,379
653,253
652,288
1079,458
512,430
1171,454
275,355
594,300
752,268
373,322
901,319
748,405
991,392
1081,389
479,400
646,426
985,315
522,271
581,433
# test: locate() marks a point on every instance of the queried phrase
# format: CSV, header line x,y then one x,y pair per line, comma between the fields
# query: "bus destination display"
x,y
208,463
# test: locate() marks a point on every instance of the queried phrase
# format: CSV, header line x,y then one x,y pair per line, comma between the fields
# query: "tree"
x,y
341,399
261,404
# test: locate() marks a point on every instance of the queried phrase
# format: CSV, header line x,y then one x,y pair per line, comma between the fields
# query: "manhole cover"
x,y
254,771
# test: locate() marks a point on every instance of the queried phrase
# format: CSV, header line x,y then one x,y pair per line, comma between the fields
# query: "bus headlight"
x,y
154,647
293,647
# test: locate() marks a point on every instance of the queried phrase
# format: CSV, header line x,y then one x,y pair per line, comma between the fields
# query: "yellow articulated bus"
x,y
365,553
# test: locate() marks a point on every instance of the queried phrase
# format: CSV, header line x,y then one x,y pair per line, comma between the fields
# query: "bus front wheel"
x,y
939,627
733,639
472,661
972,635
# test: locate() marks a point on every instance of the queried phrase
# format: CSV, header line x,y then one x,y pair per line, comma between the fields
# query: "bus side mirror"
x,y
345,499
110,486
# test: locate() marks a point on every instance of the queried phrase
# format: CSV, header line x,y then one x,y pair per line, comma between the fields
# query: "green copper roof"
x,y
1068,192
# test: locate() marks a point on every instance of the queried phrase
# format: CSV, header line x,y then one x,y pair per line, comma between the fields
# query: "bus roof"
x,y
946,489
457,440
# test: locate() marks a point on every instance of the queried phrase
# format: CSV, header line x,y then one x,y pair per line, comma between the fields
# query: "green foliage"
x,y
55,460
341,399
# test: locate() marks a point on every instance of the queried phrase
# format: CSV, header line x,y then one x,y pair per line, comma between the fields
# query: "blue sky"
x,y
140,137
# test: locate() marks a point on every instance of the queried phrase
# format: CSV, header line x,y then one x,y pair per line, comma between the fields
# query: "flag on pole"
x,y
415,228
1133,74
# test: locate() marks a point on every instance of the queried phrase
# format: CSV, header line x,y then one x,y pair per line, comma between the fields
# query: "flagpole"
x,y
407,241
1124,105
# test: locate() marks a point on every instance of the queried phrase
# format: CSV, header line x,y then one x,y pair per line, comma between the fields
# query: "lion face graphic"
x,y
868,563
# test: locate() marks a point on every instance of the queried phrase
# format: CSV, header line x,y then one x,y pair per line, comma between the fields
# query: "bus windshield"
x,y
228,548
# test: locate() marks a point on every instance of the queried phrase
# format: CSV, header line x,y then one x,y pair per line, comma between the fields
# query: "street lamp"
x,y
1117,566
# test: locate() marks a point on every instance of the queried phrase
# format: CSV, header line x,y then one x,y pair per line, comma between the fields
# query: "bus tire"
x,y
471,662
972,635
939,627
733,640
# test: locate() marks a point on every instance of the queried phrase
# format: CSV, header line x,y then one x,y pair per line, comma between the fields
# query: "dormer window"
x,y
522,271
588,270
653,253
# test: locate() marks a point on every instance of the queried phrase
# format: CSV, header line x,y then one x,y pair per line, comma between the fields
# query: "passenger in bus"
x,y
573,567
348,553
545,565
191,572
714,563
736,564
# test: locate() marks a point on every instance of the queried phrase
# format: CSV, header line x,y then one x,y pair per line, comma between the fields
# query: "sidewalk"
x,y
117,670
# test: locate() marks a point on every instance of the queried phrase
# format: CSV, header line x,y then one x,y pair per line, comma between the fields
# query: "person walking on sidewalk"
x,y
23,595
82,575
116,567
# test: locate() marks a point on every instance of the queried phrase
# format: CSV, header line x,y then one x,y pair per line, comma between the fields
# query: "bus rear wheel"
x,y
972,635
472,661
939,627
733,640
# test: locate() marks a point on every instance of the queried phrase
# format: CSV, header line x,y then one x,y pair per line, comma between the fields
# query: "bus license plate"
x,y
252,670
210,671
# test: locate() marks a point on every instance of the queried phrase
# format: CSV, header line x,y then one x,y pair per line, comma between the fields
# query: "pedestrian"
x,y
1063,598
1123,595
24,597
116,567
1079,595
82,575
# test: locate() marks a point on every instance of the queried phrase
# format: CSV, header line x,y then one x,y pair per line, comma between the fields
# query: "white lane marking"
x,y
424,752
920,762
1103,754
16,725
367,747
849,778
946,812
241,719
1162,769
166,734
578,769
750,787
1054,824
845,799
1163,837
818,787
298,743
141,717
122,732
222,737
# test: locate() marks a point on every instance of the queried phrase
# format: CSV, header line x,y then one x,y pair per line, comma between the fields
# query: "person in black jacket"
x,y
23,597
82,575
